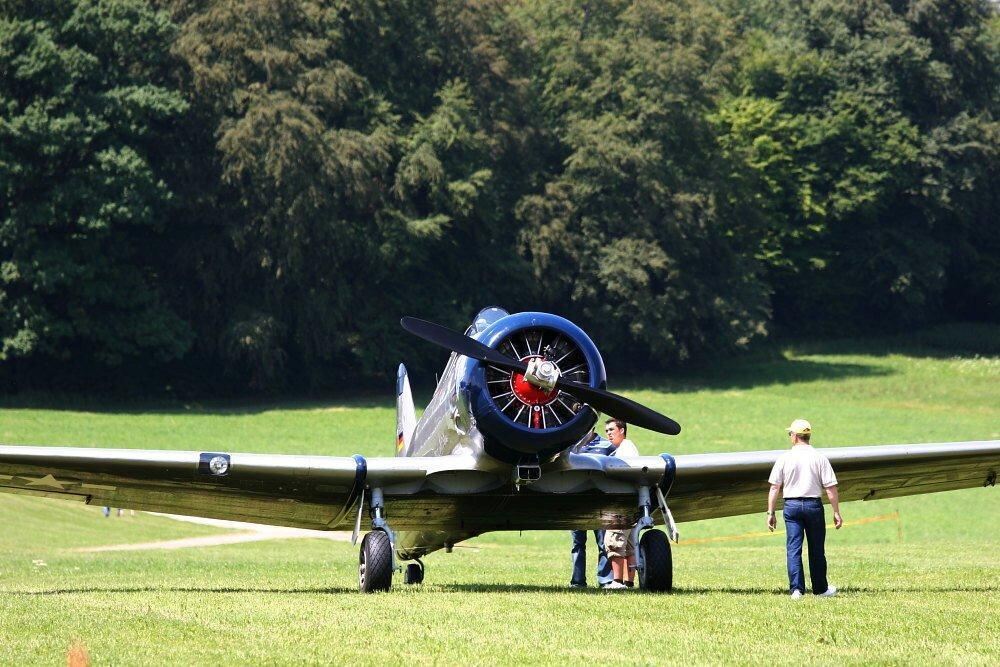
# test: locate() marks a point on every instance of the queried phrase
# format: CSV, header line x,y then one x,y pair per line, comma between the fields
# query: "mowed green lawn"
x,y
919,576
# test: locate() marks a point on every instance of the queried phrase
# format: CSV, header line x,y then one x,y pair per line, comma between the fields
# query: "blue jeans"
x,y
804,516
579,557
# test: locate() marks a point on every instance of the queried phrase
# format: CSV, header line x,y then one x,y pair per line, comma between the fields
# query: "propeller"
x,y
605,401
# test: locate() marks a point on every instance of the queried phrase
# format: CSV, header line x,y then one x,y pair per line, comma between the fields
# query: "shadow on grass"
x,y
778,362
751,373
533,588
494,588
209,408
749,591
737,374
320,590
960,339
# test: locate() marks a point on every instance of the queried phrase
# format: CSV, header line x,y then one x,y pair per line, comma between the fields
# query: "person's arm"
x,y
772,501
834,495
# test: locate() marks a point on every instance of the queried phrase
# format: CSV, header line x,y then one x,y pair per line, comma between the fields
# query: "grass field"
x,y
920,576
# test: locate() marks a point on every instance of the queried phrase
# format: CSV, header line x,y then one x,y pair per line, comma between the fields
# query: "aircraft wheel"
x,y
414,573
658,573
375,563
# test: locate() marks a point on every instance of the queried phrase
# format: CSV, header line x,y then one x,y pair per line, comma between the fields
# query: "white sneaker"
x,y
829,592
796,595
615,586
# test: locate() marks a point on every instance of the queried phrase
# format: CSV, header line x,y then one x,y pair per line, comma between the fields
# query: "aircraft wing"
x,y
319,492
586,491
716,485
466,493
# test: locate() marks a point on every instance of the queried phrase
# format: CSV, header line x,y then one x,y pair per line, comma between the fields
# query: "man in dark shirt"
x,y
592,445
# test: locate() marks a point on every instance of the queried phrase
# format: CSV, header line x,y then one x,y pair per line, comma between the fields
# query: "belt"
x,y
804,498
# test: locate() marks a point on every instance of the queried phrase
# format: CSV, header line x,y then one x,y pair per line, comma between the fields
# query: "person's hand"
x,y
837,520
772,522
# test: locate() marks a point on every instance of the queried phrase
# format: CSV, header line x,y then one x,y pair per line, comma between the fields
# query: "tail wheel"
x,y
657,573
375,563
414,573
524,403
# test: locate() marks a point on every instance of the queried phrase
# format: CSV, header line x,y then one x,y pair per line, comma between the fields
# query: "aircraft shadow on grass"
x,y
495,588
748,591
185,589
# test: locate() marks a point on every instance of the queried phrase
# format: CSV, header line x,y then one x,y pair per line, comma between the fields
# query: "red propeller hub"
x,y
528,393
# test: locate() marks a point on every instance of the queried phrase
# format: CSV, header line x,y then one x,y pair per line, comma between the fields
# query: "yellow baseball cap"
x,y
800,427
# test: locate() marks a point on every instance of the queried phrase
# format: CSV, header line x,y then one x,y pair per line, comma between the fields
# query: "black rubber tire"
x,y
414,574
658,573
375,563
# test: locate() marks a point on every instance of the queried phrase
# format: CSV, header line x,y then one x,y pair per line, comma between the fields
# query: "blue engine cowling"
x,y
506,438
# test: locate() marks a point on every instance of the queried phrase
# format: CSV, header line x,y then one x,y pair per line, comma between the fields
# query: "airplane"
x,y
494,450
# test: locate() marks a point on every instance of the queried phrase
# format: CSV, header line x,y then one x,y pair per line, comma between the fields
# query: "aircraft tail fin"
x,y
406,414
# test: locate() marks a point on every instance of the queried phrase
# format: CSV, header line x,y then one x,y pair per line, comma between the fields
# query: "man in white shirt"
x,y
618,543
801,475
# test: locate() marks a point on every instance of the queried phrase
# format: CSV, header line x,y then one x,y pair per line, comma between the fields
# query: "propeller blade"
x,y
460,343
621,408
605,401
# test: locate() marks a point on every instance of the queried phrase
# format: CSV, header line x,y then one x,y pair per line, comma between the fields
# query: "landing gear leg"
x,y
377,560
653,559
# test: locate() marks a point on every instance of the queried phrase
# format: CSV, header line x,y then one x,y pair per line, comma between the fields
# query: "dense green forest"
x,y
247,195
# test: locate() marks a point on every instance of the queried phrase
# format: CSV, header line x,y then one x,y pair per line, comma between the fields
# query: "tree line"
x,y
248,194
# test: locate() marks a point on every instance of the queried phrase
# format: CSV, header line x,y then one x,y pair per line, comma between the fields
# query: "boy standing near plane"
x,y
801,475
621,549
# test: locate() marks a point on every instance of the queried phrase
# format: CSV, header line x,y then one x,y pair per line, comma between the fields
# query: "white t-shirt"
x,y
802,472
627,449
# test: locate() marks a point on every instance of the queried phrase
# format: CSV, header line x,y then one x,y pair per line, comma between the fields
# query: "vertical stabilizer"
x,y
406,416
